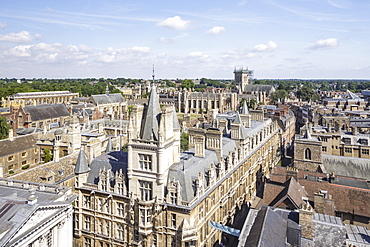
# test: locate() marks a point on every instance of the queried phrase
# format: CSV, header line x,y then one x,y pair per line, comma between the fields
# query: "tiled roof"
x,y
41,112
18,144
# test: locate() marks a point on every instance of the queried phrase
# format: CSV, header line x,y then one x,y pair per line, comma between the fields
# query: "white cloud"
x,y
43,52
324,44
251,55
197,54
165,40
216,30
21,37
175,23
262,47
19,51
2,25
143,49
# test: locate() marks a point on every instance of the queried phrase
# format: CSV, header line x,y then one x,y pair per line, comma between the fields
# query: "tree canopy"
x,y
4,128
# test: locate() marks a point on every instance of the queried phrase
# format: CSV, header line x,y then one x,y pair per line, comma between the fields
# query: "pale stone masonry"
x,y
153,195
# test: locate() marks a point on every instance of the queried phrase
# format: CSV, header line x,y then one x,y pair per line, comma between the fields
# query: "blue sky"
x,y
304,39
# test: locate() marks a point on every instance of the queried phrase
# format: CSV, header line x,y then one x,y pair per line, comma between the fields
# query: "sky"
x,y
277,39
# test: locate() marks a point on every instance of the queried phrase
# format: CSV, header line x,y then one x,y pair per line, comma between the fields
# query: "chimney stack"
x,y
199,144
11,134
305,220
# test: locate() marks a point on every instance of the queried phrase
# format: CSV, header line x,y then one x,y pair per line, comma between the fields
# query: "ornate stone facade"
x,y
153,195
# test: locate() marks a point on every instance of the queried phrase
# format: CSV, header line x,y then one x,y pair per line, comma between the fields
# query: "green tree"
x,y
187,83
4,128
184,141
47,156
278,95
307,94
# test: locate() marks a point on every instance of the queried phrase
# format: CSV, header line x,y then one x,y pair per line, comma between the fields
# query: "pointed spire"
x,y
245,108
150,128
242,131
109,145
81,165
237,119
307,134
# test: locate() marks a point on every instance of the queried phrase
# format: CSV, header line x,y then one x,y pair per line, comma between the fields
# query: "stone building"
x,y
17,153
153,195
110,105
35,214
39,116
307,152
36,98
197,102
241,78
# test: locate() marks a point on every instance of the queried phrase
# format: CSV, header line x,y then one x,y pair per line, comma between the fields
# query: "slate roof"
x,y
328,230
81,165
260,88
347,166
113,161
188,169
18,144
41,112
357,235
18,218
269,230
245,108
152,117
101,99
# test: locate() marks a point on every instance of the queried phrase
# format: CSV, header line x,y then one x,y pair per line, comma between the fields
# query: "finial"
x,y
153,75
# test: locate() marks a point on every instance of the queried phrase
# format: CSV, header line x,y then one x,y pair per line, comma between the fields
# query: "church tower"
x,y
154,148
307,152
241,77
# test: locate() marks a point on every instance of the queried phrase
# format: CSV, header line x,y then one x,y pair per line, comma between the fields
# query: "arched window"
x,y
307,154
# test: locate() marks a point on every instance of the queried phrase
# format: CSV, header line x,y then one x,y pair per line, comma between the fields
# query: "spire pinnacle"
x,y
153,75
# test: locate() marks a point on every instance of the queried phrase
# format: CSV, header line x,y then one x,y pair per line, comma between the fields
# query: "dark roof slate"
x,y
152,117
18,144
107,98
41,112
82,166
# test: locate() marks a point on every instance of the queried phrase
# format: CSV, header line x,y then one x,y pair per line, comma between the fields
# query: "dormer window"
x,y
173,197
346,140
364,142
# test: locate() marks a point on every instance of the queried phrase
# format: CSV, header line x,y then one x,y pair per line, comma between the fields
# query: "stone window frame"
x,y
120,231
120,208
87,201
146,190
146,161
87,222
145,216
173,220
307,154
87,242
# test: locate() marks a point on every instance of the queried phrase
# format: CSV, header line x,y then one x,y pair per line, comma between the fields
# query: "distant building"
x,y
109,105
39,116
36,98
